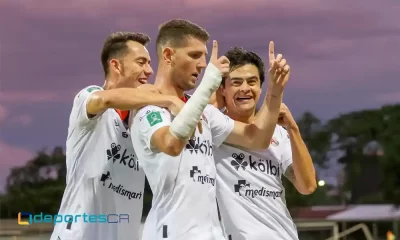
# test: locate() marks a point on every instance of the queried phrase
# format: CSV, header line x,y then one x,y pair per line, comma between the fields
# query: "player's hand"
x,y
149,88
285,117
222,63
176,105
278,73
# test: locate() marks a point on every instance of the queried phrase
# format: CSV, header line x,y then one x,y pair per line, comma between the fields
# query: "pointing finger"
x,y
214,52
271,52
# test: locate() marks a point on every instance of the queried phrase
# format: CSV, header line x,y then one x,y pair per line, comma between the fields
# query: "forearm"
x,y
303,167
264,124
125,99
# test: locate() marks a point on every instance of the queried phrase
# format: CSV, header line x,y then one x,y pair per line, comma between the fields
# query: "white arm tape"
x,y
186,121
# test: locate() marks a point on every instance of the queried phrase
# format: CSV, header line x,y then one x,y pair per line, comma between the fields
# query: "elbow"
x,y
100,100
309,189
173,147
173,150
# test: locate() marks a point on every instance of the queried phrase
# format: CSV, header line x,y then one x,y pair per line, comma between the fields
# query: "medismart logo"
x,y
27,218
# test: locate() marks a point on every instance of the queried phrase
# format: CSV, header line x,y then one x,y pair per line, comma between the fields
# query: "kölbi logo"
x,y
243,188
125,159
196,146
263,165
196,175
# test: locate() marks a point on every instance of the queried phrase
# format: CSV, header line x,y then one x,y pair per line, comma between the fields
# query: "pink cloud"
x,y
389,97
28,97
12,156
3,113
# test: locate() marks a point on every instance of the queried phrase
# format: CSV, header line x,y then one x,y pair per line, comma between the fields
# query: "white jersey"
x,y
184,201
103,177
251,197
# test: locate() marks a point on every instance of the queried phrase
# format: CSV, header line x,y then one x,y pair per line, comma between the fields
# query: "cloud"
x,y
3,113
389,97
12,156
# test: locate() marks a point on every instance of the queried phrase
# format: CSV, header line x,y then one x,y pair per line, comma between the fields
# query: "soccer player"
x,y
181,170
103,197
250,194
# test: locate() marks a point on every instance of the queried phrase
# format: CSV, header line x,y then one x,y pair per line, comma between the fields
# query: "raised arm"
x,y
258,134
172,138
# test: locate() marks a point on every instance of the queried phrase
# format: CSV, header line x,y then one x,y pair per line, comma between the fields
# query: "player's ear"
x,y
168,55
221,90
115,66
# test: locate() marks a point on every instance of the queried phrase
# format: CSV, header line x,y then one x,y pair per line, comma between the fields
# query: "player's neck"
x,y
109,84
244,118
166,85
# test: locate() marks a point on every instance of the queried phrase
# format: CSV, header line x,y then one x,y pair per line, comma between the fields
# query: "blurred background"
x,y
344,92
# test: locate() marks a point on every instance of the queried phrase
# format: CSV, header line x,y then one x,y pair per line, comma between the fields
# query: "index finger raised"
x,y
271,51
214,51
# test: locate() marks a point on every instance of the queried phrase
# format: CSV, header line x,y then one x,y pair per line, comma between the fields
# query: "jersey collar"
x,y
123,114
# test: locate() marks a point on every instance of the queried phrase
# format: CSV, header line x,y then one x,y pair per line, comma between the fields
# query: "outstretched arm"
x,y
126,99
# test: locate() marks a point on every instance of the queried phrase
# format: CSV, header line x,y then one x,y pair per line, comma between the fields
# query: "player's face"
x,y
242,90
135,66
188,62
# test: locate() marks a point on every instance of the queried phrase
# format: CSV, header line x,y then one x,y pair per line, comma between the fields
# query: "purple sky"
x,y
344,55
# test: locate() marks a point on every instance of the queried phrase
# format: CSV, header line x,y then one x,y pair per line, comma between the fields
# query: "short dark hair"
x,y
115,46
239,57
175,33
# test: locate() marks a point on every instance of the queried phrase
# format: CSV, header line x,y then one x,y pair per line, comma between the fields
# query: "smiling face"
x,y
242,90
135,68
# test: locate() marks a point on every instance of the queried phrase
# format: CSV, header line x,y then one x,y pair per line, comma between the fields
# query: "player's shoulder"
x,y
210,109
86,91
150,108
281,132
150,112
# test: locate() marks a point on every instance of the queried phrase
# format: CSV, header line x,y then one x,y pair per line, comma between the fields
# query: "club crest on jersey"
x,y
274,142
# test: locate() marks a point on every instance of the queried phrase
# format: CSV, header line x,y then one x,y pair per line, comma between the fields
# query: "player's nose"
x,y
148,70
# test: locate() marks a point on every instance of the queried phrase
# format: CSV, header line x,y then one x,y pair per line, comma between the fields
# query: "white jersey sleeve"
x,y
78,113
221,125
148,120
83,132
286,150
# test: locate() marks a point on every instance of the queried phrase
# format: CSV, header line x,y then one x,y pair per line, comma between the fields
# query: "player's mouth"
x,y
194,77
244,99
142,80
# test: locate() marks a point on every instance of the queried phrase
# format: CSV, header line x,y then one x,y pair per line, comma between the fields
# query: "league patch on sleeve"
x,y
91,89
154,118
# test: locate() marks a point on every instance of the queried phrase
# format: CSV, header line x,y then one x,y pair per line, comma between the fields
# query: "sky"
x,y
343,55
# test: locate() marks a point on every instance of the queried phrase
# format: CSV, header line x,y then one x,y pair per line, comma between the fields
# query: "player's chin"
x,y
189,86
245,109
